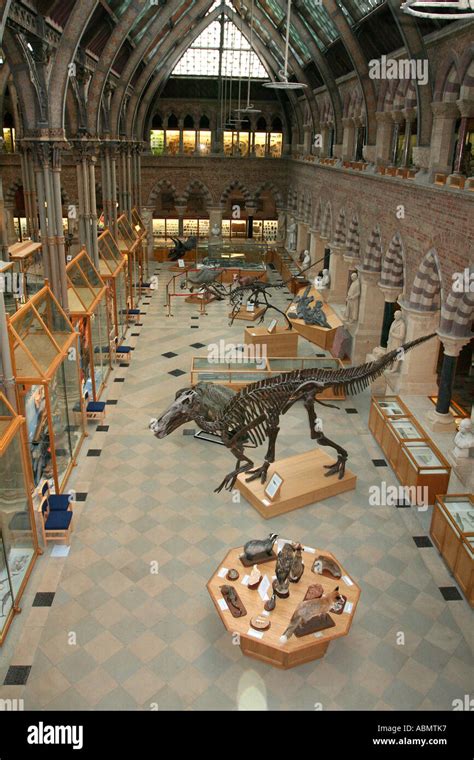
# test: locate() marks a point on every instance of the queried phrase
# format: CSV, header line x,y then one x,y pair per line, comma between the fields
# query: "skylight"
x,y
207,58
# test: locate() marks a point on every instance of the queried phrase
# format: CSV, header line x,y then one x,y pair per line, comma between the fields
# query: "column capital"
x,y
446,109
466,107
409,114
347,121
453,344
398,116
390,292
384,117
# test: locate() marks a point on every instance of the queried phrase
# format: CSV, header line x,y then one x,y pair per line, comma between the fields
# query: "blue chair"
x,y
56,502
123,353
95,410
56,525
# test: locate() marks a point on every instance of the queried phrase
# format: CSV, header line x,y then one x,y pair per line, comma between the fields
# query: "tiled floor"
x,y
131,625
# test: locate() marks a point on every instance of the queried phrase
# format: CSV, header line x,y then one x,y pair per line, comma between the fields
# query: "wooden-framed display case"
x,y
397,431
238,373
18,539
421,465
130,245
87,295
452,531
381,409
29,258
45,358
10,285
113,270
141,231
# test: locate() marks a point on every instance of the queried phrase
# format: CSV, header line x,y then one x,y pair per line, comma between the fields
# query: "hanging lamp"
x,y
283,83
449,10
250,108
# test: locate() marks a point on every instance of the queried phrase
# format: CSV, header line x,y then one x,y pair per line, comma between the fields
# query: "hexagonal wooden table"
x,y
266,645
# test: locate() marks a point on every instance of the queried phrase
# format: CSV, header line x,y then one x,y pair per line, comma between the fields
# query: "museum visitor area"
x,y
236,358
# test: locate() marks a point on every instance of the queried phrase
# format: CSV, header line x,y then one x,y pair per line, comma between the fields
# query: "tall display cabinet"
x,y
18,540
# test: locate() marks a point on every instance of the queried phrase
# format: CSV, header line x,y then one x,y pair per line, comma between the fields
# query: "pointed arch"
x,y
326,224
157,189
393,264
426,293
196,186
231,187
340,231
457,314
270,187
353,239
373,251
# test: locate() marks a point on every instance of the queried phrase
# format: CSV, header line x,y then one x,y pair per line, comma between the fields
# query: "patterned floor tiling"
x,y
152,531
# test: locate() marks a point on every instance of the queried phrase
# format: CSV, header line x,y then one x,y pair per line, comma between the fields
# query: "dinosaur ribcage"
x,y
256,413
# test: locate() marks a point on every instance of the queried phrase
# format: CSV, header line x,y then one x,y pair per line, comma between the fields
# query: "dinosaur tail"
x,y
355,379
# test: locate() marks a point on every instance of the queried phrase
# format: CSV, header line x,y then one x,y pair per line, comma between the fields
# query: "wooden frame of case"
x,y
130,245
435,478
45,377
112,267
453,543
378,416
17,427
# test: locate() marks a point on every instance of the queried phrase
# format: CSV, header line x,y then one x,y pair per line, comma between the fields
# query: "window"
x,y
221,49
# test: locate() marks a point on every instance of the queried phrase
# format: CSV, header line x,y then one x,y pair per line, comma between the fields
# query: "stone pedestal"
x,y
215,220
339,272
440,418
417,375
371,307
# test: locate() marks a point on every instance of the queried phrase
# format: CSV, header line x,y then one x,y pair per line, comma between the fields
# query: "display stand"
x,y
320,336
45,359
130,245
281,342
304,482
88,310
18,540
113,270
452,531
248,316
266,645
28,257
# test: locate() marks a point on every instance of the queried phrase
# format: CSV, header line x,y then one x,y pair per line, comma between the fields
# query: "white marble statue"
x,y
464,440
305,259
322,281
291,236
216,230
396,337
351,312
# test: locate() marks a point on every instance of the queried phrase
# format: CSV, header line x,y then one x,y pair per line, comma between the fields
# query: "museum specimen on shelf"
x,y
307,611
282,571
252,415
324,564
232,574
260,622
182,247
313,592
256,550
254,578
297,565
233,601
270,604
311,315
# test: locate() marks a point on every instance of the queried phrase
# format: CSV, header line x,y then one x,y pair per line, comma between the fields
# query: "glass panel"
x,y
423,455
6,592
36,340
390,407
172,141
53,318
260,143
172,227
81,287
84,355
15,523
270,230
276,144
244,143
405,429
37,433
190,227
204,144
65,413
228,143
32,267
121,294
91,273
189,141
100,344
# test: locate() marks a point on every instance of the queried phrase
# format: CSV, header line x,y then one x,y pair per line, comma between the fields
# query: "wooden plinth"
x,y
281,342
269,648
249,316
195,298
320,336
304,483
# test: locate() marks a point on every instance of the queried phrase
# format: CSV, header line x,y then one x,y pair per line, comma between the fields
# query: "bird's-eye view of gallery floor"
x,y
236,372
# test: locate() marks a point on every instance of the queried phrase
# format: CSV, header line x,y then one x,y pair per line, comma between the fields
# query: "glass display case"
x,y
10,285
396,431
87,294
189,141
45,358
130,244
18,539
276,144
452,531
204,142
270,230
260,144
172,142
157,142
421,465
29,259
380,410
112,270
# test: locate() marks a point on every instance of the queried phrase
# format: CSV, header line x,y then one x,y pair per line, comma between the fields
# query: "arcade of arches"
x,y
132,129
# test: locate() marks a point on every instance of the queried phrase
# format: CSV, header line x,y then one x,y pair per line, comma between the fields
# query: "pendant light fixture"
x,y
249,108
283,83
440,9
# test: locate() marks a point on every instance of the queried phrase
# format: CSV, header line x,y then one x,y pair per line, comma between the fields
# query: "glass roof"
x,y
207,57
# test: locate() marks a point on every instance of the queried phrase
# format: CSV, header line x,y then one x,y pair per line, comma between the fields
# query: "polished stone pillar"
x,y
440,418
339,273
398,119
410,115
348,139
442,137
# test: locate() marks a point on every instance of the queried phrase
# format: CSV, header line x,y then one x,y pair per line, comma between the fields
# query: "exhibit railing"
x,y
171,291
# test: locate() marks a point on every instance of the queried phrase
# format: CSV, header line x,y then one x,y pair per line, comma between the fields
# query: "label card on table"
x,y
222,572
348,607
223,604
309,549
347,580
245,580
255,634
181,263
263,588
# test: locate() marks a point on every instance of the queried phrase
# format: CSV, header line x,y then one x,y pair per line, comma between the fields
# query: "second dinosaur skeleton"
x,y
251,416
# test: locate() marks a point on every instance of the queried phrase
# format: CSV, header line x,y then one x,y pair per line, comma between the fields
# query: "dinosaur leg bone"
x,y
261,472
339,466
229,480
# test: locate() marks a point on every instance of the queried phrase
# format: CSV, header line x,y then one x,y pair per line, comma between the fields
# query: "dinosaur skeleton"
x,y
206,279
249,417
258,292
180,248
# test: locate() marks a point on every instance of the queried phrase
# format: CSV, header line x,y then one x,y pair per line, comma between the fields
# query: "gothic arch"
x,y
326,223
198,186
426,293
457,314
236,185
157,189
353,239
340,231
271,188
393,264
373,251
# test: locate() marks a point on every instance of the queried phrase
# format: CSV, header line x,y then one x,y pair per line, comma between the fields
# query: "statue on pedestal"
x,y
396,336
351,312
323,280
305,259
464,440
291,236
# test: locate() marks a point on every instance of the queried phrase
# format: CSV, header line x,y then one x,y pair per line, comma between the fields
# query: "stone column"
x,y
466,109
398,119
417,375
147,216
215,220
440,418
339,273
301,237
348,139
383,143
180,210
181,136
371,308
410,116
307,131
313,248
390,295
251,211
442,137
281,231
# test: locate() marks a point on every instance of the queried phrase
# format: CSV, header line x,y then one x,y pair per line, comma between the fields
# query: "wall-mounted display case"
x,y
87,294
113,270
29,259
45,358
452,531
18,539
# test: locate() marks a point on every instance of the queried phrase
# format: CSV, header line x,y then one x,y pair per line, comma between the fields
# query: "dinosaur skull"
x,y
177,414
